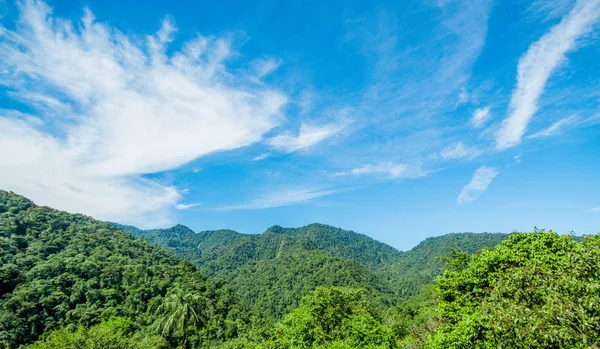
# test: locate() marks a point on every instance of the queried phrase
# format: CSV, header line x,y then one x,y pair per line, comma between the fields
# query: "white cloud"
x,y
517,159
593,209
414,88
265,66
551,8
187,206
554,128
308,136
285,197
131,109
388,169
538,64
261,157
459,150
480,117
478,184
463,96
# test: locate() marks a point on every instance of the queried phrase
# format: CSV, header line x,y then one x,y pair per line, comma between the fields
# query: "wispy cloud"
x,y
265,66
458,150
182,207
478,185
538,64
517,159
481,117
415,85
551,8
386,169
285,197
554,128
261,157
593,209
132,109
308,136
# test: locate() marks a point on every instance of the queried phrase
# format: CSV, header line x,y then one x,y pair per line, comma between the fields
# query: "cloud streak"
x,y
308,136
538,64
387,169
457,151
182,207
478,185
116,108
281,198
480,117
555,128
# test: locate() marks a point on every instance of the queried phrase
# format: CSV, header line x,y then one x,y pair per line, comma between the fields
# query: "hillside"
x,y
273,270
69,281
419,266
59,269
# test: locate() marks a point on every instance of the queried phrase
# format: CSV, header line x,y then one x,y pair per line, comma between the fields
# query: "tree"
x,y
115,333
335,317
179,314
535,290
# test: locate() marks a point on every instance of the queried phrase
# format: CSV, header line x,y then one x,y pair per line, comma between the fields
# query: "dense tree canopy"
x,y
272,271
115,333
69,281
327,318
535,290
418,267
60,269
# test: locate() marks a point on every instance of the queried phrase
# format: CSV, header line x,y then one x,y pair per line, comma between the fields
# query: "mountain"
x,y
69,281
59,270
271,271
418,267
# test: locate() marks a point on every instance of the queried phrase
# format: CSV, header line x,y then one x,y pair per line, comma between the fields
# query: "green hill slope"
x,y
59,269
272,271
418,267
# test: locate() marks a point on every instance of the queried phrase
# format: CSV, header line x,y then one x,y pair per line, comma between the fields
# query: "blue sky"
x,y
399,119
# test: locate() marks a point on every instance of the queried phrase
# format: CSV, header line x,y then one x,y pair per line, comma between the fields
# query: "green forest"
x,y
70,281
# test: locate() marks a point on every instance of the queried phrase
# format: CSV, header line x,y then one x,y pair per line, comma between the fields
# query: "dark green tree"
x,y
116,333
535,290
180,315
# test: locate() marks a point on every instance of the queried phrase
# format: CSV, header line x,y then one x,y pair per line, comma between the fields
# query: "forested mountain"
x,y
59,269
272,271
418,267
69,281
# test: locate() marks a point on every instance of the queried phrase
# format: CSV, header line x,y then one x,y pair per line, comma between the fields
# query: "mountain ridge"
x,y
244,261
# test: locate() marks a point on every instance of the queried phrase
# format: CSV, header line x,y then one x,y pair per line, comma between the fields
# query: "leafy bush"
x,y
116,333
535,290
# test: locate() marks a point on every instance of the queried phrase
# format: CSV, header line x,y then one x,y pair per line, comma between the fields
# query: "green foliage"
x,y
535,290
181,315
418,268
64,270
335,315
274,287
272,271
326,318
69,281
116,333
